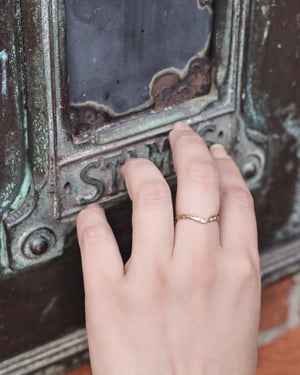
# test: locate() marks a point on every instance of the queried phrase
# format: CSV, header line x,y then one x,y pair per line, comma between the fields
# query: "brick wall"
x,y
279,339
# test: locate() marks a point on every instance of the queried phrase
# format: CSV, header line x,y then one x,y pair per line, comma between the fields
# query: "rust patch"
x,y
85,118
168,90
203,3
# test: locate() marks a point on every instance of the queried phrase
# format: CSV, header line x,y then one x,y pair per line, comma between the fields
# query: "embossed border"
x,y
35,230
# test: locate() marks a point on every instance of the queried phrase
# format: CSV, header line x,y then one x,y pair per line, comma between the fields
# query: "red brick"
x,y
274,307
86,370
281,357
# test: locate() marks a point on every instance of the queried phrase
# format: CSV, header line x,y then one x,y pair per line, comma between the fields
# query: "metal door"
x,y
87,85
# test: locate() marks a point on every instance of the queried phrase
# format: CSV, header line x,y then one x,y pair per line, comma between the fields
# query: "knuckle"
x,y
150,291
87,211
185,136
135,163
94,235
209,277
204,277
242,196
247,272
202,172
185,139
158,287
153,193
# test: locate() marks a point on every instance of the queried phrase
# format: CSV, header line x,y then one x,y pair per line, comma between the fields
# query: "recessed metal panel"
x,y
118,49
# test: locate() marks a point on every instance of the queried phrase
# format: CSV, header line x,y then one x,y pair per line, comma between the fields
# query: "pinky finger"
x,y
237,223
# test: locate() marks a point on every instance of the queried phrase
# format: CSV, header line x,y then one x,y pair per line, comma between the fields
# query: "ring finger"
x,y
197,190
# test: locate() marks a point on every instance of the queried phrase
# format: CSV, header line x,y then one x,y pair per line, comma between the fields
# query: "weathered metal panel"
x,y
272,105
131,45
13,121
59,153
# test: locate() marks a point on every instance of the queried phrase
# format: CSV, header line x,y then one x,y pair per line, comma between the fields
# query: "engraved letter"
x,y
98,184
160,156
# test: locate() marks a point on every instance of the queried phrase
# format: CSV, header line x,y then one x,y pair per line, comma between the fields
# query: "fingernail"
x,y
181,126
216,145
91,206
218,151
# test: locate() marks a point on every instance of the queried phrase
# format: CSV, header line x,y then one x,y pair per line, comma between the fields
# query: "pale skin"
x,y
188,300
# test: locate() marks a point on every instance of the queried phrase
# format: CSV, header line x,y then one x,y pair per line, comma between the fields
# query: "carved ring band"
x,y
198,219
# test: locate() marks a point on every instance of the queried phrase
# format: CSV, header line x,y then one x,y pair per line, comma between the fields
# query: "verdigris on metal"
x,y
12,121
270,106
67,170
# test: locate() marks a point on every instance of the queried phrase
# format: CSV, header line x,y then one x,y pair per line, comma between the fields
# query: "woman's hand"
x,y
188,300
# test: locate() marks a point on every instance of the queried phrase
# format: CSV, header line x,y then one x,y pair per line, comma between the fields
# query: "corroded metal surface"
x,y
167,90
12,120
271,105
126,45
65,177
69,159
98,178
203,3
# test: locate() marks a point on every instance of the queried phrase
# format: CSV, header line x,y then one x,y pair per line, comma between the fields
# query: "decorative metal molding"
x,y
97,178
67,168
64,172
280,261
53,358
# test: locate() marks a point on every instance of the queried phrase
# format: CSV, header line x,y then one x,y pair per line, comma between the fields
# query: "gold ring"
x,y
198,219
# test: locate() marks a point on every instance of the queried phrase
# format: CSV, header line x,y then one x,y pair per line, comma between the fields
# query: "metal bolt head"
x,y
38,242
249,170
39,245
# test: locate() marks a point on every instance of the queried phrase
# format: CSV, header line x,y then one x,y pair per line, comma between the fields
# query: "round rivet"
x,y
39,242
39,245
249,170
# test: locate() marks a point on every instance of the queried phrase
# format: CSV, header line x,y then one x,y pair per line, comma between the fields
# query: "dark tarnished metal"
x,y
168,90
56,157
39,245
100,176
203,3
134,82
271,105
127,45
12,120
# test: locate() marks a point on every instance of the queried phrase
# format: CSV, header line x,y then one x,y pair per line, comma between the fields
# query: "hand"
x,y
188,300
